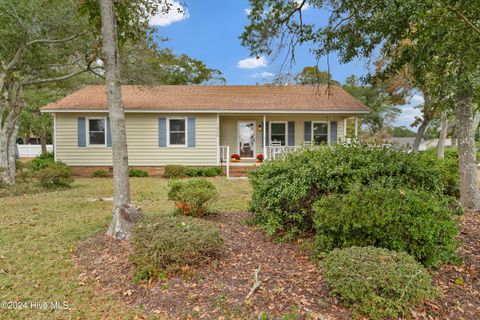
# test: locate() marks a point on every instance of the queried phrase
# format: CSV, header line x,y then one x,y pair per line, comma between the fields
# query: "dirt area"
x,y
290,282
460,284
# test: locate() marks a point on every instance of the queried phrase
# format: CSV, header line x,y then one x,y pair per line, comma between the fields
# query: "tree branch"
x,y
465,19
298,9
44,41
64,77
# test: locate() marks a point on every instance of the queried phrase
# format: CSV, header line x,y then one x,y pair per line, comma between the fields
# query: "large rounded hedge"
x,y
417,222
283,191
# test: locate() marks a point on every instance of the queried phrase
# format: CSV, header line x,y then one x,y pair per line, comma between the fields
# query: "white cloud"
x,y
176,13
247,11
306,6
417,99
408,115
262,75
252,63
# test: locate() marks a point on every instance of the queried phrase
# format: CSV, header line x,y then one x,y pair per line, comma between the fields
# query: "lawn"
x,y
39,233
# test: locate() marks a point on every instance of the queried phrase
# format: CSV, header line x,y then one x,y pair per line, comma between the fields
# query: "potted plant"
x,y
260,158
235,157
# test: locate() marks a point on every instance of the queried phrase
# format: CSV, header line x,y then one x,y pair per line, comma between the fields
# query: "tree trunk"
x,y
43,140
476,122
420,133
469,195
124,215
12,155
454,134
442,137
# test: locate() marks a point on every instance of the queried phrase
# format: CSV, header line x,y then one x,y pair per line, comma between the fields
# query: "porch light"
x,y
260,127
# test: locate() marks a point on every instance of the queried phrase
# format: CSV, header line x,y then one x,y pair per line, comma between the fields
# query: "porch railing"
x,y
278,152
225,158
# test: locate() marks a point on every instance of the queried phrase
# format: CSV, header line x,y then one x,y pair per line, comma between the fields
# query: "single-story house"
x,y
199,125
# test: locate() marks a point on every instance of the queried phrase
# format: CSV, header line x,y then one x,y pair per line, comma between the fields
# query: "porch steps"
x,y
239,171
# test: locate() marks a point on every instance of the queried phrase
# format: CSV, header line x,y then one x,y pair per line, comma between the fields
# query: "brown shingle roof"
x,y
216,98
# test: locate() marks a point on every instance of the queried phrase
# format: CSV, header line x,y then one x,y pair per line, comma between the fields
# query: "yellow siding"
x,y
142,139
229,127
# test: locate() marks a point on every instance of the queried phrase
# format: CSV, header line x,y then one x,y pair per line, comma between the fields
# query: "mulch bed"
x,y
460,284
290,280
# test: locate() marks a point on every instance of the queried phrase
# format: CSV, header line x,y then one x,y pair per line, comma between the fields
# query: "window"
x,y
96,132
320,132
177,132
278,133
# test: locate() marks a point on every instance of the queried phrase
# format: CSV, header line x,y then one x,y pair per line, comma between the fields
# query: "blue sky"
x,y
209,30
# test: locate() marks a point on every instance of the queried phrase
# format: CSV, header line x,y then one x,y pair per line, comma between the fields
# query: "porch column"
x,y
356,128
264,133
219,160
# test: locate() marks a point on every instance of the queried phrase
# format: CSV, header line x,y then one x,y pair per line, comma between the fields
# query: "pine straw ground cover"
x,y
291,283
41,232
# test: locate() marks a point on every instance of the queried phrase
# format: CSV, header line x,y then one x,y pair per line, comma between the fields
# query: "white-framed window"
x,y
278,133
97,132
320,132
177,132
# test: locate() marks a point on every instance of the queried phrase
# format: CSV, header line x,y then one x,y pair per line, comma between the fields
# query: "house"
x,y
199,125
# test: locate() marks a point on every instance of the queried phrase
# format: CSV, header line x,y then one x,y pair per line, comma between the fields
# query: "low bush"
x,y
283,191
137,173
416,222
192,197
448,167
100,173
203,172
377,282
164,244
19,165
174,171
41,161
55,175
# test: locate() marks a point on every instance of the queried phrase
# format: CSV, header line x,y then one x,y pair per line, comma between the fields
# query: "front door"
x,y
246,139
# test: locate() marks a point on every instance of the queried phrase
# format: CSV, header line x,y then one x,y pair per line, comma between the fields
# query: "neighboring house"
x,y
424,145
199,125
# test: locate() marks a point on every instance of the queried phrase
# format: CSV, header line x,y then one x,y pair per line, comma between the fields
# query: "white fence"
x,y
31,150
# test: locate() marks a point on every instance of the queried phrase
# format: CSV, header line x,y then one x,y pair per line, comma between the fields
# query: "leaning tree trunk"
x,y
12,154
442,137
43,140
124,214
469,194
420,133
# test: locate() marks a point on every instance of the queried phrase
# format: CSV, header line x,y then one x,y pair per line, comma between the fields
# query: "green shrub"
x,y
55,175
192,197
164,244
377,282
283,191
19,165
203,172
41,161
137,173
416,222
449,168
174,171
100,173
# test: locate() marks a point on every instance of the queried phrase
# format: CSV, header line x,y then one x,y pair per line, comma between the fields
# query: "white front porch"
x,y
274,135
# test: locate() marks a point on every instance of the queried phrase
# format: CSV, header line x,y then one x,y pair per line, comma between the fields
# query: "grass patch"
x,y
39,233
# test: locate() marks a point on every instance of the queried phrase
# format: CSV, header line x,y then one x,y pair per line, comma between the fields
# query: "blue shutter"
x,y
109,134
307,131
191,132
81,132
268,133
291,133
162,132
333,132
